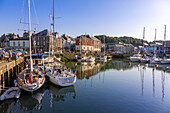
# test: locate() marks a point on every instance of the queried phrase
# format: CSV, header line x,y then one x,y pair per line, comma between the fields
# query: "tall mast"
x,y
52,23
155,42
53,17
104,45
164,38
29,18
143,36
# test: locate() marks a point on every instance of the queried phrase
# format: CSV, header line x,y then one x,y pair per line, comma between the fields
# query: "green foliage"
x,y
124,39
63,59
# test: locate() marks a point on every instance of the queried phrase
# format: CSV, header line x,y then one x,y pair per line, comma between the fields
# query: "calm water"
x,y
109,87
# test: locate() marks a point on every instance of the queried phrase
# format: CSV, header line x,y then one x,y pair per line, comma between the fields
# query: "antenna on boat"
x,y
29,18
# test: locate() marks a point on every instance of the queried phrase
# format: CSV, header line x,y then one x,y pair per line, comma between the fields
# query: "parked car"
x,y
23,52
16,52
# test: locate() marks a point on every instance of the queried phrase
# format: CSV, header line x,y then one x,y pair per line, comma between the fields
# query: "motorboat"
x,y
31,81
11,93
60,77
90,59
154,60
165,61
109,57
135,58
145,59
101,58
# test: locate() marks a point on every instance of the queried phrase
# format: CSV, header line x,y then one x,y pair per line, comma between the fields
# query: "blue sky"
x,y
94,17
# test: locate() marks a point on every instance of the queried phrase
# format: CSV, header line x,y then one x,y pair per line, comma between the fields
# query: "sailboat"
x,y
154,60
31,79
59,76
144,58
165,60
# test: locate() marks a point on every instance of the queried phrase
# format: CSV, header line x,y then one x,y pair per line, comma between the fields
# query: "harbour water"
x,y
112,87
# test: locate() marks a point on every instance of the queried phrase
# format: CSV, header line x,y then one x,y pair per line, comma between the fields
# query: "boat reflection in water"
x,y
58,93
29,102
7,105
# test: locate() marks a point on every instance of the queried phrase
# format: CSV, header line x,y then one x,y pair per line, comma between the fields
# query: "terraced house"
x,y
87,43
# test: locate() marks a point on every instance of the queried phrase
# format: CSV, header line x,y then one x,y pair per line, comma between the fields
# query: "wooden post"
x,y
9,76
3,81
0,83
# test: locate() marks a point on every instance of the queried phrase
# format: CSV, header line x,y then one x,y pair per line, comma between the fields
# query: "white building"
x,y
19,43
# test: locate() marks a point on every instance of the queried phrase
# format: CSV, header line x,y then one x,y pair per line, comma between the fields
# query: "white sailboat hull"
x,y
134,59
64,79
165,61
25,84
155,61
144,60
90,59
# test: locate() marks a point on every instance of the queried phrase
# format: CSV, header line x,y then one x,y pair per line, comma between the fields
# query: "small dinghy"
x,y
11,93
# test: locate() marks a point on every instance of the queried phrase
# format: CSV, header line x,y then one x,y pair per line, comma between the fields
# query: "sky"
x,y
94,17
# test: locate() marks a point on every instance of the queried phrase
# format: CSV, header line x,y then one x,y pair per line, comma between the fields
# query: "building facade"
x,y
44,41
84,44
19,43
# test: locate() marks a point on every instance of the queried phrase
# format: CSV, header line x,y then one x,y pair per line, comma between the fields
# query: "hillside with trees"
x,y
124,39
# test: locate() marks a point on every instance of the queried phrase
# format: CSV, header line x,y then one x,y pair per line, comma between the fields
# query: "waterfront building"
x,y
68,43
19,43
43,40
4,41
167,46
59,44
158,47
120,47
96,44
84,44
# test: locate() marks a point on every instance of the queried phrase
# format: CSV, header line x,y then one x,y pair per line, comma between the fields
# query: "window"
x,y
13,43
43,38
38,43
18,43
23,44
44,43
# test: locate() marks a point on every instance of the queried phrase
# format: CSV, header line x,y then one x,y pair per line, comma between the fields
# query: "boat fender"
x,y
129,63
20,82
30,79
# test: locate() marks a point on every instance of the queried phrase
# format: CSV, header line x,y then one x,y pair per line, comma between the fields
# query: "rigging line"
x,y
35,12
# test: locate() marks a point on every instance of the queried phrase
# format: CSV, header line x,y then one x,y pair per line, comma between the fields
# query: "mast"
x,y
155,43
50,38
29,18
52,23
53,17
80,44
164,39
143,39
143,36
104,45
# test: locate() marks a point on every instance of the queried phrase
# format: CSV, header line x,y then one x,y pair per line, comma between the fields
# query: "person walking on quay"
x,y
17,56
3,54
10,55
